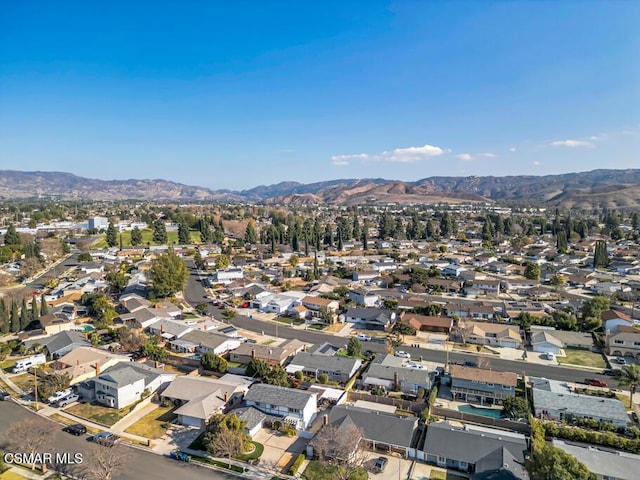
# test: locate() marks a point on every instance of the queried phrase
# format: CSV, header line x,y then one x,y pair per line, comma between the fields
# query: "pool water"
x,y
485,412
87,328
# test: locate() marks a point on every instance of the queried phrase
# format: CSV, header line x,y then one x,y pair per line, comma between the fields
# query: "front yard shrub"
x,y
295,466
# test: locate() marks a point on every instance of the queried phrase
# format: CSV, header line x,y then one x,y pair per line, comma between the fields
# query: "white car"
x,y
402,354
362,337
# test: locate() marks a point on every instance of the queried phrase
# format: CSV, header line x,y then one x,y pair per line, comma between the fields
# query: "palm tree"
x,y
630,377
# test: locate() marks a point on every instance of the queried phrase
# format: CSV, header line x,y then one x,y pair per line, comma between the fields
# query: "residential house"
x,y
125,383
424,323
226,276
550,340
474,449
382,432
297,407
83,363
169,329
481,385
52,324
605,463
495,334
612,319
364,275
317,307
487,286
624,341
371,318
453,270
198,398
363,297
554,400
393,372
324,349
338,368
273,355
59,344
198,341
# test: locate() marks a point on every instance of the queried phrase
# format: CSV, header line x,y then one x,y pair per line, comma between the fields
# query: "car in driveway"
x,y
621,361
363,338
4,395
380,464
76,429
107,439
402,354
63,402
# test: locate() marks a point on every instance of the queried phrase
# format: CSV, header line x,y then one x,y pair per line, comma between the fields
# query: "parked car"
x,y
549,356
63,402
107,439
75,429
380,464
4,395
363,338
595,382
56,397
621,360
634,416
402,354
609,371
470,363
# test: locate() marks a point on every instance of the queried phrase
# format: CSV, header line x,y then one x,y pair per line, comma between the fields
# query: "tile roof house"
x,y
202,342
124,383
267,353
624,341
317,305
83,363
296,407
339,369
476,450
553,400
52,324
492,386
427,323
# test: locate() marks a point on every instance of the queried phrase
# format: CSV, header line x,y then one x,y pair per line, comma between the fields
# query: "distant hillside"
x,y
598,188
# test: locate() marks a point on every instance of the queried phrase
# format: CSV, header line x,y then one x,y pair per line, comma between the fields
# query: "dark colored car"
x,y
75,429
634,415
595,382
470,363
4,395
380,464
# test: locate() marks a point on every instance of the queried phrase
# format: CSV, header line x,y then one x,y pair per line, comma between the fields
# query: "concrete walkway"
x,y
134,416
5,378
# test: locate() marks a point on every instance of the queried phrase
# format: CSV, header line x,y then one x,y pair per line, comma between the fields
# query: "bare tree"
x,y
340,446
227,443
102,463
463,328
30,435
484,362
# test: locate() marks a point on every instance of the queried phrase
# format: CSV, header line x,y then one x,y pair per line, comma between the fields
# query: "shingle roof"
x,y
336,364
378,426
61,340
483,375
602,461
126,373
281,396
580,405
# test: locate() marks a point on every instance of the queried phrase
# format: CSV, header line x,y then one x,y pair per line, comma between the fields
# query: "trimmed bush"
x,y
295,466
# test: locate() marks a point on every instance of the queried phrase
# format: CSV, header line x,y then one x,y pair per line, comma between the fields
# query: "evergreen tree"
x,y
183,234
44,307
24,315
561,242
600,255
168,274
487,230
365,236
160,232
11,237
328,235
294,242
136,236
250,234
112,235
35,314
4,318
509,227
356,227
446,225
429,230
14,320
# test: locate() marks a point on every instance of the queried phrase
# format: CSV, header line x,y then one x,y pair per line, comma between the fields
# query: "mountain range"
x,y
597,188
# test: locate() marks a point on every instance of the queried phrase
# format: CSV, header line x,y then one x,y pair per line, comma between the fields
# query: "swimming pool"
x,y
87,328
485,412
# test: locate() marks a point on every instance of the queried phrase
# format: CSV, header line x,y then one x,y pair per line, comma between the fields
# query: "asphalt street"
x,y
195,293
143,465
53,272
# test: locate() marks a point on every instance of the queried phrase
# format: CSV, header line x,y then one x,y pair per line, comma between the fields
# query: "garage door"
x,y
545,348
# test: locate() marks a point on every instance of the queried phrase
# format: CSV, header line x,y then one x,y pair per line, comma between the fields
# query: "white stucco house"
x,y
296,407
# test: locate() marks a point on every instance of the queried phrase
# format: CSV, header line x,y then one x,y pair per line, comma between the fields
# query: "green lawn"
x,y
7,365
12,475
68,421
319,471
440,475
289,320
99,414
317,326
153,424
583,358
256,453
147,238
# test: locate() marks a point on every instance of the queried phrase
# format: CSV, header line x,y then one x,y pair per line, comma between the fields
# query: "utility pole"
x,y
35,373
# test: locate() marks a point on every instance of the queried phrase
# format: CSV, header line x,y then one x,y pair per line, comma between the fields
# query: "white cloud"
x,y
411,154
465,156
342,160
512,149
399,155
285,150
488,155
536,163
572,144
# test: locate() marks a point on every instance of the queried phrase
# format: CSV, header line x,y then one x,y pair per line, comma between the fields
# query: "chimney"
x,y
325,420
226,397
77,362
253,353
97,368
162,328
396,380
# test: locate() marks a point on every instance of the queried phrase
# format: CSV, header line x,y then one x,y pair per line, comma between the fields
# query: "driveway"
x,y
279,450
396,468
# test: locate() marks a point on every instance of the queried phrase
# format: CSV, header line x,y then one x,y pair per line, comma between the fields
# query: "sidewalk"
x,y
134,416
10,384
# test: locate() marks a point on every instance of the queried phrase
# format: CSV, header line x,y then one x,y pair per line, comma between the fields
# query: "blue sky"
x,y
238,94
